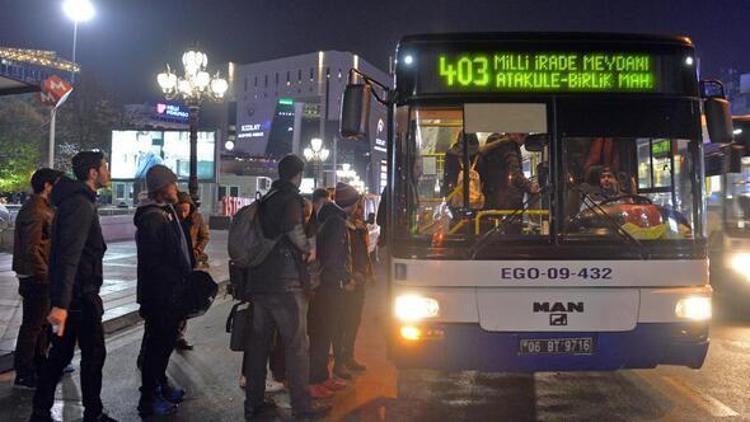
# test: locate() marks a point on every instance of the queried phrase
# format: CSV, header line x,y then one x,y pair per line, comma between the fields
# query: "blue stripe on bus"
x,y
469,347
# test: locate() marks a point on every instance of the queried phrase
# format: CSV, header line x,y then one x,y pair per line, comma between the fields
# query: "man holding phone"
x,y
75,273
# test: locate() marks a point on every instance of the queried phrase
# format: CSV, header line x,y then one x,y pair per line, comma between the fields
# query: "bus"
x,y
506,250
728,176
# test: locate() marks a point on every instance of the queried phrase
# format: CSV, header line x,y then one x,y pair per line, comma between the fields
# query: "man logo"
x,y
558,307
558,319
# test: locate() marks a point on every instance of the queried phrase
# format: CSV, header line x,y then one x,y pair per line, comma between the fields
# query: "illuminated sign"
x,y
286,101
171,110
661,148
251,131
547,71
380,144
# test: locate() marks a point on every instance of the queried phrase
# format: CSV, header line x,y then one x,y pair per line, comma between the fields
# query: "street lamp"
x,y
78,11
193,88
316,154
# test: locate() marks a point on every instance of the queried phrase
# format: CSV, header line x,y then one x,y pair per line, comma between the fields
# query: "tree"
x,y
23,134
88,116
17,164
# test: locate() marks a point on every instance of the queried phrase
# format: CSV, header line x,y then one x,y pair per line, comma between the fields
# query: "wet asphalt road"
x,y
720,390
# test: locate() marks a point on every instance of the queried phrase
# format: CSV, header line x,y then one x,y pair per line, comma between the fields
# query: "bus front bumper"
x,y
454,347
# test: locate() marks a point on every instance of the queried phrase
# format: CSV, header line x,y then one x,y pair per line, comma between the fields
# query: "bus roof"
x,y
562,37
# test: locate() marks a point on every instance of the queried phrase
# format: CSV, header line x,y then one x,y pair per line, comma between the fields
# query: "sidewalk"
x,y
118,290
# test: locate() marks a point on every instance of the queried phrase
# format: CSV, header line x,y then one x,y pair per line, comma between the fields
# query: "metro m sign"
x,y
55,91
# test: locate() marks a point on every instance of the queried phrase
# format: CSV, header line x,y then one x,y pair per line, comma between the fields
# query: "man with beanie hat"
x,y
279,298
334,255
164,261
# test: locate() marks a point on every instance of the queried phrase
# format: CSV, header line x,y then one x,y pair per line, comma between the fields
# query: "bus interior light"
x,y
695,308
737,131
413,307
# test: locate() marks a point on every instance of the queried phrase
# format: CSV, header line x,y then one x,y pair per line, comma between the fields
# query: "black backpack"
x,y
248,247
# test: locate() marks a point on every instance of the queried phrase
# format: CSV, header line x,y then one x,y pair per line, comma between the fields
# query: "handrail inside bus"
x,y
499,213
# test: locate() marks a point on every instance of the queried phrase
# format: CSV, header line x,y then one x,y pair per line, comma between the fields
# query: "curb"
x,y
110,326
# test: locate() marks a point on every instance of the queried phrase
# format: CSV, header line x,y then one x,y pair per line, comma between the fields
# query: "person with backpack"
x,y
164,262
277,289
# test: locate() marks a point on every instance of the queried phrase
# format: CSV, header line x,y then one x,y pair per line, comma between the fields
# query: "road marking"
x,y
705,401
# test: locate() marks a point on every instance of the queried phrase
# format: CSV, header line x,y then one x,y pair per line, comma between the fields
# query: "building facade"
x,y
282,104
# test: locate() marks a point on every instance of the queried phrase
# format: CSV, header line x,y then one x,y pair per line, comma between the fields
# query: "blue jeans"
x,y
287,313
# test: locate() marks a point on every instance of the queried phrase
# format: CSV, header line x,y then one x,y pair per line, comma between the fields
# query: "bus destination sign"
x,y
547,72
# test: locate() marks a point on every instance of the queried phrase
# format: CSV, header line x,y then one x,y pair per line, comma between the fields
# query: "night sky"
x,y
130,40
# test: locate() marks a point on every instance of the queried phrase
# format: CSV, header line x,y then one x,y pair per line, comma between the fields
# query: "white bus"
x,y
485,272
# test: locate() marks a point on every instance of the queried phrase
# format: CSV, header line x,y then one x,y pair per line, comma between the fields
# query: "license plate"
x,y
557,346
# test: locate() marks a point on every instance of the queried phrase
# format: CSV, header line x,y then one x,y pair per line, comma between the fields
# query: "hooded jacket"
x,y
281,216
32,242
163,256
78,246
334,247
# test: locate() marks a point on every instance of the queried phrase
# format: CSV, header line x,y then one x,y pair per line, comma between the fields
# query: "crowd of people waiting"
x,y
307,294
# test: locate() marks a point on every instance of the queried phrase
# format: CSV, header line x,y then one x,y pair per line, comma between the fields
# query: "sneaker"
x,y
342,372
156,406
319,391
183,344
27,382
273,386
172,394
243,382
69,369
314,412
335,384
102,417
353,365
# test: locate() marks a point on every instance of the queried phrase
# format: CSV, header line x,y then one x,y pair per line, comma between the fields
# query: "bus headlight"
x,y
413,307
740,263
695,308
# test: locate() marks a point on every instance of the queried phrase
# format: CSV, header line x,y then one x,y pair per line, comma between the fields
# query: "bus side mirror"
x,y
355,111
718,120
716,110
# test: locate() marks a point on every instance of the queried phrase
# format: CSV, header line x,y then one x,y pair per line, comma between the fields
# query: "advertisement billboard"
x,y
134,152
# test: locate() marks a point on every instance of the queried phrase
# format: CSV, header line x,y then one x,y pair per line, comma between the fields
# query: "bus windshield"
x,y
614,188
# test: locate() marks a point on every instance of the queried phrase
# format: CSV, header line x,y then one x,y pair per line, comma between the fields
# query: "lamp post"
x,y
316,154
78,11
194,87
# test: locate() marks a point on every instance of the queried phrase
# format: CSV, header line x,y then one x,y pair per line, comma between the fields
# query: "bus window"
x,y
502,177
639,185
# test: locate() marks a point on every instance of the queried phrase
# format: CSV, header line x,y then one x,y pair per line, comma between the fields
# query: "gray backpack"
x,y
248,247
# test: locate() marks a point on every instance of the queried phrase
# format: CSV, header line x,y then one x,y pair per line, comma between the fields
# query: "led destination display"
x,y
549,72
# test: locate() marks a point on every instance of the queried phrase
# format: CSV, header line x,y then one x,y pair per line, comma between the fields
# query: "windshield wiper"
x,y
597,209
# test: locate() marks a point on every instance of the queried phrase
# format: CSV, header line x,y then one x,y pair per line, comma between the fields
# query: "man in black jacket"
x,y
164,260
75,272
31,263
279,298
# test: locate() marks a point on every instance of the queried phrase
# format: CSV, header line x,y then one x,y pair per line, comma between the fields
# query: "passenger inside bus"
x,y
501,172
454,160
